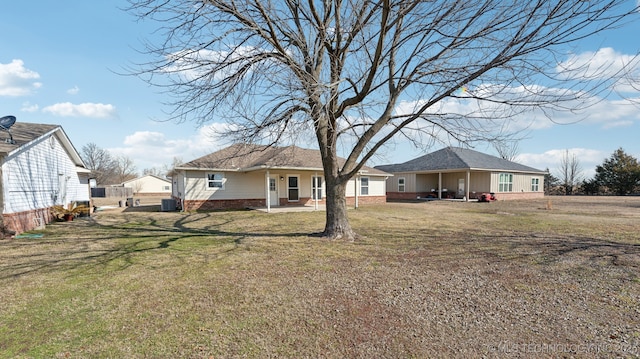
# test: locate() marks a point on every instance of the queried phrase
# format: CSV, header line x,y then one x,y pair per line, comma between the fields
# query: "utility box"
x,y
168,205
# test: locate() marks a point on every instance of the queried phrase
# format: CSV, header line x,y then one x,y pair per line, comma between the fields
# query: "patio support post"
x,y
467,185
439,185
268,193
183,197
315,191
355,204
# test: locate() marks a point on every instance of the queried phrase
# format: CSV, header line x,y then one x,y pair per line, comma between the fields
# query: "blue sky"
x,y
60,64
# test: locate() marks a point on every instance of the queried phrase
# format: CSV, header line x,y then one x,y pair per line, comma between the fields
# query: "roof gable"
x,y
24,133
145,177
456,158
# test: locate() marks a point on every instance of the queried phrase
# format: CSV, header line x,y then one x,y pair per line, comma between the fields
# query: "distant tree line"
x,y
617,175
108,169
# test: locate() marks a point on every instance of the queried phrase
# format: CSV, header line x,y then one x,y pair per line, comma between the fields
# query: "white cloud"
x,y
91,110
28,107
587,158
150,149
589,109
74,90
16,80
604,64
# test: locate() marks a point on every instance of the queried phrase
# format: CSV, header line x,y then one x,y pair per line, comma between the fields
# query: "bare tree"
x,y
506,149
155,171
360,74
570,172
100,162
169,170
124,169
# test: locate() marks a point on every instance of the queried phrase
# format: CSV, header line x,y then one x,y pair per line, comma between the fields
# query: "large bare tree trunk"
x,y
337,225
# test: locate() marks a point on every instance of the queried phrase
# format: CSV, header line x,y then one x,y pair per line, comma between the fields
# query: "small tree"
x,y
570,172
620,173
590,186
507,150
550,182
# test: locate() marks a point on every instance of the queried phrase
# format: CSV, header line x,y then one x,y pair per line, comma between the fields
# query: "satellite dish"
x,y
7,121
5,124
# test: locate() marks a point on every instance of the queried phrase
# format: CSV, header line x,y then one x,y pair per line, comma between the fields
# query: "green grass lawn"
x,y
433,279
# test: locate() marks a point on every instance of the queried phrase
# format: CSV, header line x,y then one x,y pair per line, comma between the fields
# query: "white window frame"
x,y
289,188
364,189
535,184
402,186
320,189
211,179
505,182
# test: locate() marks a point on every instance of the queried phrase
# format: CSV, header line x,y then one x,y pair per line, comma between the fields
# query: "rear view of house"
x,y
40,169
455,172
242,176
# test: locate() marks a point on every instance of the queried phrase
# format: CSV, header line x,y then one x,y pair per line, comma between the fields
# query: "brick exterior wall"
x,y
211,205
502,196
407,196
25,221
351,201
509,196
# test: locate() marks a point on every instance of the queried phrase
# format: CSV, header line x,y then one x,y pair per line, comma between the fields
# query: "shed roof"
x,y
456,158
245,157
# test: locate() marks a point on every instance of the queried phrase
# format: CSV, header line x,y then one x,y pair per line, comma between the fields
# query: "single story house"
x,y
455,172
149,185
40,169
244,176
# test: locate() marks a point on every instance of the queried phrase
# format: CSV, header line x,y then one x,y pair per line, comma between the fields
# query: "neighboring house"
x,y
39,170
149,185
455,172
243,176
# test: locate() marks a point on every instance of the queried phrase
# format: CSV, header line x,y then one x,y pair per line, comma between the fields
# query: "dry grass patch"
x,y
428,279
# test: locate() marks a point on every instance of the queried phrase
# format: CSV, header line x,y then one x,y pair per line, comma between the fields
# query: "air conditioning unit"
x,y
168,205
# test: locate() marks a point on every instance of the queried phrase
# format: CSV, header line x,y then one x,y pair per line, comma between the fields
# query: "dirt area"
x,y
147,203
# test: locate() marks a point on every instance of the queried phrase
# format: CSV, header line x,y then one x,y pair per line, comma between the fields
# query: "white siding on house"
x,y
252,185
40,175
521,182
377,186
409,181
237,185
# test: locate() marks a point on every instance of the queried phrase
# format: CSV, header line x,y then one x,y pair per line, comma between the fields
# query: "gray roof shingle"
x,y
456,158
241,157
22,133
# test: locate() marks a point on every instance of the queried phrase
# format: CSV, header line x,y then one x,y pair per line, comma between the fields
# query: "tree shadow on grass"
x,y
453,249
116,244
